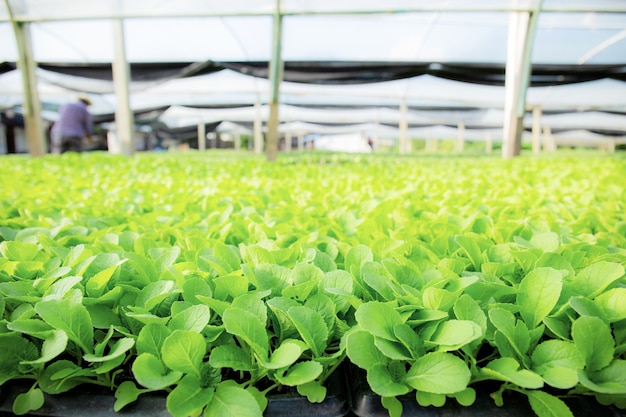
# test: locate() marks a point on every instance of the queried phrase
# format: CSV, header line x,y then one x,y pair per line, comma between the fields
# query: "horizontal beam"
x,y
434,7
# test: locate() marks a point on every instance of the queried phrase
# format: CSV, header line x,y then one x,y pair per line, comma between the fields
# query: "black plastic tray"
x,y
91,401
366,403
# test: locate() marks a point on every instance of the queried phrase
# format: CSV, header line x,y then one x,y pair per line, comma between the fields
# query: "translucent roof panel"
x,y
409,37
199,39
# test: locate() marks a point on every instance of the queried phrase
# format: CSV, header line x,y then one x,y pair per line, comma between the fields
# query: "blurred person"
x,y
74,125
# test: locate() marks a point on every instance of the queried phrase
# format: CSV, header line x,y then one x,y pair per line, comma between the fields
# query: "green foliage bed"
x,y
218,279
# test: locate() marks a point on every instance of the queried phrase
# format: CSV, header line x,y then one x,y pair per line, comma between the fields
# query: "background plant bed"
x,y
366,403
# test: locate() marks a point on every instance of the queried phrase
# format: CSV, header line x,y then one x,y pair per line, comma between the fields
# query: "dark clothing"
x,y
71,144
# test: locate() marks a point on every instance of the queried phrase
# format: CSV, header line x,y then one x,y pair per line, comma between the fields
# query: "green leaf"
x,y
466,397
151,372
338,280
362,351
392,405
514,331
194,318
188,398
71,317
228,254
438,373
285,355
393,350
385,383
426,399
547,405
612,303
54,345
28,401
538,293
313,391
379,319
19,251
193,287
97,284
126,393
311,328
508,369
594,341
61,376
230,356
273,277
300,373
155,293
547,241
453,334
151,338
466,308
231,285
609,380
233,401
471,249
558,362
595,278
183,351
119,348
248,328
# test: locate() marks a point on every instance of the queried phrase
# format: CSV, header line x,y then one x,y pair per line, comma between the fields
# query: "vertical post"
x,y
460,140
276,75
258,129
201,136
489,144
237,144
536,132
121,77
31,105
522,28
549,141
288,140
402,140
300,141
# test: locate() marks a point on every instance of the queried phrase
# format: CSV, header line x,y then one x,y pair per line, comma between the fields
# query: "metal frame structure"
x,y
522,27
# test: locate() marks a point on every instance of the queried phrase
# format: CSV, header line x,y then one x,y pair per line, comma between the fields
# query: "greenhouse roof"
x,y
428,55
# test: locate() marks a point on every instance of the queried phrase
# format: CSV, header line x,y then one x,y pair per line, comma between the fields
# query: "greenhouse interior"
x,y
296,208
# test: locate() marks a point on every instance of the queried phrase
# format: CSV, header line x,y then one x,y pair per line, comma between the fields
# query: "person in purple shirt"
x,y
74,124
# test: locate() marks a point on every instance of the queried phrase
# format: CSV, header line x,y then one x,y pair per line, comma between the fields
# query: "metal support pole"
x,y
237,144
276,75
33,124
403,126
258,129
300,141
522,28
288,139
121,76
201,136
460,140
536,132
489,143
